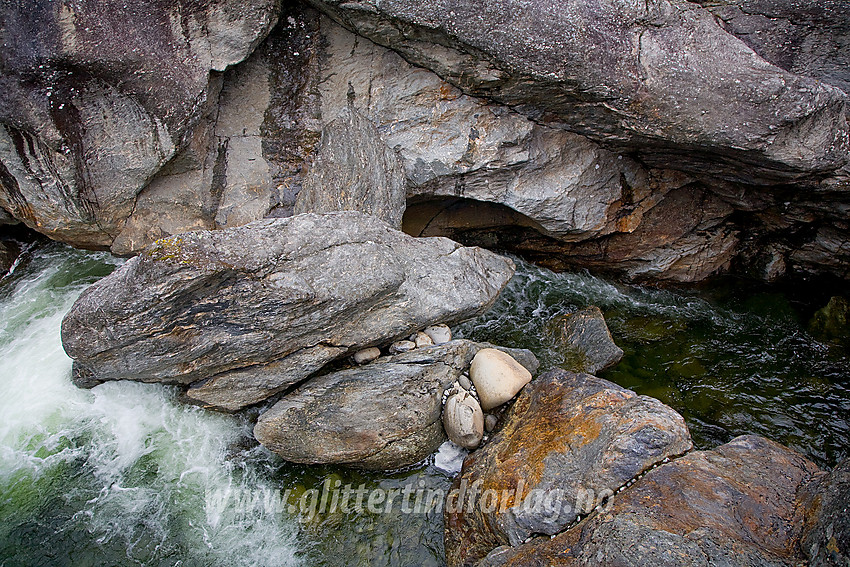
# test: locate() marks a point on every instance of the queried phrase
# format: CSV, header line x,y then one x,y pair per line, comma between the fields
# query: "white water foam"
x,y
141,465
449,458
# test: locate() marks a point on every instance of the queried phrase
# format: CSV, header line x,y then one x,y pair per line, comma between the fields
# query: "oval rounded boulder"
x,y
463,420
497,377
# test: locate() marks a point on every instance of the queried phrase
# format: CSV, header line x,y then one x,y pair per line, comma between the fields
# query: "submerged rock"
x,y
381,416
497,377
587,341
243,313
737,505
832,321
569,441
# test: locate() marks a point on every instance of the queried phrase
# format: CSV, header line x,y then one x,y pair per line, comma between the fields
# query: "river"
x,y
125,474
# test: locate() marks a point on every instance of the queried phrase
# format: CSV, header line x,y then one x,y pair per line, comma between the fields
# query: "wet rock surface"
x,y
586,339
9,252
826,536
241,314
384,415
567,442
737,505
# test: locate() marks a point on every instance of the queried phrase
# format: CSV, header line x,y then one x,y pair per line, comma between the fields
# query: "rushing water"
x,y
126,475
733,359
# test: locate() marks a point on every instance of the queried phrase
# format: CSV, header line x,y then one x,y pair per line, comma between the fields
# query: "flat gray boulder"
x,y
384,415
243,313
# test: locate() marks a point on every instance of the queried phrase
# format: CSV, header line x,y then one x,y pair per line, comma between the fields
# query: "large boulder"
x,y
737,505
242,313
569,441
384,415
586,341
663,78
826,537
354,170
97,96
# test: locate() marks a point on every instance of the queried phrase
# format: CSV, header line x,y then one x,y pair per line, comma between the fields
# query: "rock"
x,y
97,97
465,383
367,355
497,377
463,420
826,535
9,252
613,72
811,39
736,505
439,333
421,340
832,321
490,422
7,219
381,416
684,236
354,170
402,346
181,196
557,181
569,441
279,298
587,341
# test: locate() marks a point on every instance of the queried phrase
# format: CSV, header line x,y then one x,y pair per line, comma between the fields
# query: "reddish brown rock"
x,y
568,441
826,536
737,505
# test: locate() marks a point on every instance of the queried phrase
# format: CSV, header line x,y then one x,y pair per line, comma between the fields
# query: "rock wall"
x,y
99,96
667,141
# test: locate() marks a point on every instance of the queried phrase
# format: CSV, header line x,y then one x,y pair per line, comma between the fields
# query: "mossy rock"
x,y
832,323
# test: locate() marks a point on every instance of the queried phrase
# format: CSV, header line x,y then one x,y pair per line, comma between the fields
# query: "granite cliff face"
x,y
662,141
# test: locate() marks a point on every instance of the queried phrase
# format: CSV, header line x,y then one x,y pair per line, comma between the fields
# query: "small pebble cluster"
x,y
433,335
493,378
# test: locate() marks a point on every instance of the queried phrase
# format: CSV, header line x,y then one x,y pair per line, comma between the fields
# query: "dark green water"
x,y
732,359
125,475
